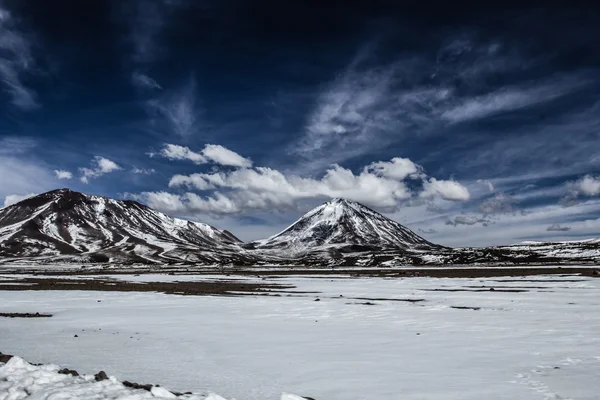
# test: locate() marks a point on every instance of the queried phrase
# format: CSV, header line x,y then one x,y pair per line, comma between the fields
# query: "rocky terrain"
x,y
67,226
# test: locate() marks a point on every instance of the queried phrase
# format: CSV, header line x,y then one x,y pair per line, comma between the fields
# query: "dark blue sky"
x,y
471,123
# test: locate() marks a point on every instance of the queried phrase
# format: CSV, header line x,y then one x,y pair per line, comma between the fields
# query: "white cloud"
x,y
211,153
15,198
99,166
447,190
380,184
587,186
143,171
224,156
62,174
143,81
15,61
398,168
176,152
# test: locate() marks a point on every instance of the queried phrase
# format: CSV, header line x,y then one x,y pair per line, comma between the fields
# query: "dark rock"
x,y
5,357
101,376
317,299
66,371
134,385
75,336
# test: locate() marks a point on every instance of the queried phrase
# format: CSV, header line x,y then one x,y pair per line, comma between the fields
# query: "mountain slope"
x,y
63,222
343,226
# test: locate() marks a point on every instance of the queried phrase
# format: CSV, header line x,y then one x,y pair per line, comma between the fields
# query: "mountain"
x,y
343,226
64,222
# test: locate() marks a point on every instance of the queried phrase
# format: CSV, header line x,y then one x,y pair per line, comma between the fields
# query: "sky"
x,y
472,124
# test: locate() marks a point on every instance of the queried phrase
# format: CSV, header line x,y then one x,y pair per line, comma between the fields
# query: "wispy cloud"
x,y
143,171
147,20
468,220
365,107
498,204
558,228
176,111
16,60
99,166
143,81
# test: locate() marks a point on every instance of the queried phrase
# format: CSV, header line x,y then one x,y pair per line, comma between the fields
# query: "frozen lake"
x,y
532,337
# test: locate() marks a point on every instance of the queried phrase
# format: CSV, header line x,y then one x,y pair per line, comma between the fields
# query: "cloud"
x,y
16,60
467,220
147,19
99,166
499,204
211,153
427,231
224,156
587,186
447,190
398,168
380,184
15,198
176,111
558,228
143,171
62,174
487,183
369,105
507,99
143,81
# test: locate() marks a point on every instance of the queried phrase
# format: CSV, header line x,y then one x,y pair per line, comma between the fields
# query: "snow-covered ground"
x,y
530,338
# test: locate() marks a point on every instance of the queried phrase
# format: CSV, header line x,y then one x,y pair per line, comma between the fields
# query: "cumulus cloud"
x,y
587,186
224,156
380,184
467,220
143,81
211,153
15,198
62,174
16,60
99,166
447,190
558,228
143,171
498,204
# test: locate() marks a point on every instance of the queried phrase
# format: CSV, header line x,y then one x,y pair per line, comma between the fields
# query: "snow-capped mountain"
x,y
343,226
64,222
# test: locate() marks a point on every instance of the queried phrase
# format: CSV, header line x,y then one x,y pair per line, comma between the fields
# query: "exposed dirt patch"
x,y
441,272
477,290
204,288
25,315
